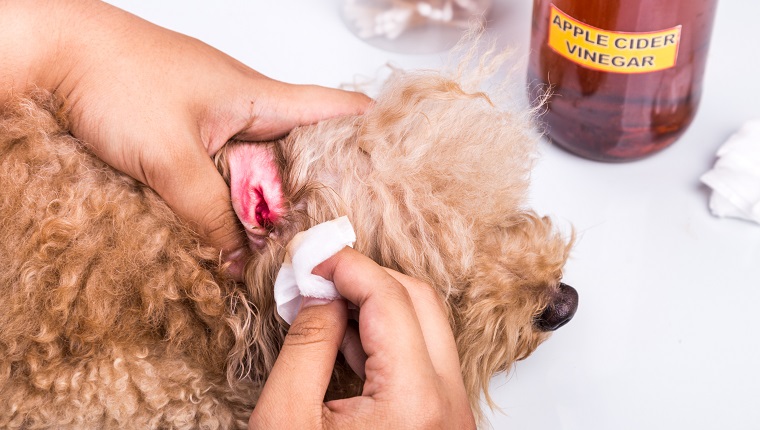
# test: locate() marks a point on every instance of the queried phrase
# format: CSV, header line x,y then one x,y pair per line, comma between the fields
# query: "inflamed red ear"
x,y
560,311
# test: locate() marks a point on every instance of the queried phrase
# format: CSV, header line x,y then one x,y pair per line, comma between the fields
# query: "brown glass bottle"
x,y
629,112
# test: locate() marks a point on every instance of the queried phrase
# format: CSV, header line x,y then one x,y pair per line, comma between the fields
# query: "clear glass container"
x,y
413,26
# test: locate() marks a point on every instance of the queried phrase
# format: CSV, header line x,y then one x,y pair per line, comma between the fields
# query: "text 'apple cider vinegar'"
x,y
624,76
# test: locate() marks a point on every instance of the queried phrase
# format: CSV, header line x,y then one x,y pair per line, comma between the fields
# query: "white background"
x,y
665,336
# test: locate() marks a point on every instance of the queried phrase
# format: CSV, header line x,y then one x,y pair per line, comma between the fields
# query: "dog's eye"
x,y
560,311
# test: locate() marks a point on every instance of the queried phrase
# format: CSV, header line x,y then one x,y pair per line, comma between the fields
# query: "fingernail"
x,y
313,301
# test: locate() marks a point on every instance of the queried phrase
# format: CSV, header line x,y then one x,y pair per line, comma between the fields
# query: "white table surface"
x,y
664,337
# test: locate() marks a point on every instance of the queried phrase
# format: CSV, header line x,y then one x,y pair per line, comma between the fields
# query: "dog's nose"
x,y
561,311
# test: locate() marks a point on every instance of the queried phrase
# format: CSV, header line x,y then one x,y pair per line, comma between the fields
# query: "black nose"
x,y
560,311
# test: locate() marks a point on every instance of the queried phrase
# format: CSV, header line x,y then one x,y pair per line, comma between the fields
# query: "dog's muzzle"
x,y
560,311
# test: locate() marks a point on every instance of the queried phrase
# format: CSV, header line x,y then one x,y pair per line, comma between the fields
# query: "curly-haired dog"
x,y
115,316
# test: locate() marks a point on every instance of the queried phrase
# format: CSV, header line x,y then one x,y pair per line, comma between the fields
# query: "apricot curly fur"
x,y
112,315
116,316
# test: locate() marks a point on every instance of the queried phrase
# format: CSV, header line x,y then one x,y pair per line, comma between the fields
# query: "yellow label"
x,y
612,51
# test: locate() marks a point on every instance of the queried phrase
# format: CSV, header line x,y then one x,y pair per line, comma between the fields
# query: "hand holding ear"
x,y
156,104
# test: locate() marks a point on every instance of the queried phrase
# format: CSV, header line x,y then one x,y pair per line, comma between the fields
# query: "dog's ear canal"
x,y
560,311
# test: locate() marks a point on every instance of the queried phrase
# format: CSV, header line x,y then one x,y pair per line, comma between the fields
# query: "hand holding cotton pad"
x,y
305,251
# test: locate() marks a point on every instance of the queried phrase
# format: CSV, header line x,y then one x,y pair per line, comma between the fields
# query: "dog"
x,y
116,315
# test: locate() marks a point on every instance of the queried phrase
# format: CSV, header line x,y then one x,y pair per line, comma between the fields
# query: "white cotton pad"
x,y
305,251
735,179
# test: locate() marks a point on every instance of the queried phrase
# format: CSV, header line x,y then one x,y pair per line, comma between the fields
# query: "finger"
x,y
318,103
279,107
436,328
352,350
185,177
302,371
390,332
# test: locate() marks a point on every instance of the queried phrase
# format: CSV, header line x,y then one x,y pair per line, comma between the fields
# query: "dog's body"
x,y
113,314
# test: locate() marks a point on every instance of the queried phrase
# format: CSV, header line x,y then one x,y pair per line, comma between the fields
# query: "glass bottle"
x,y
625,76
413,26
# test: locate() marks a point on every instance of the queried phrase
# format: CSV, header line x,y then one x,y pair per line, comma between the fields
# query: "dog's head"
x,y
434,178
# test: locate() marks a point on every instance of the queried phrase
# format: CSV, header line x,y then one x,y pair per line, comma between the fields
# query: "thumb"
x,y
282,106
302,371
188,181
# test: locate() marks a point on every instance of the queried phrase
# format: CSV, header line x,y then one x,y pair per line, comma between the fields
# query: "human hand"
x,y
156,104
411,366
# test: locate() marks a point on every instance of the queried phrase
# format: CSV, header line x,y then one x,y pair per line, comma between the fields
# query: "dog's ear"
x,y
513,290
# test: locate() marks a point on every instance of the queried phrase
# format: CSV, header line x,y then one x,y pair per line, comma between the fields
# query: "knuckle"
x,y
309,329
218,222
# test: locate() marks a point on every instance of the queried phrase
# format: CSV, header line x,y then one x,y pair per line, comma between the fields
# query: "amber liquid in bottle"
x,y
612,116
